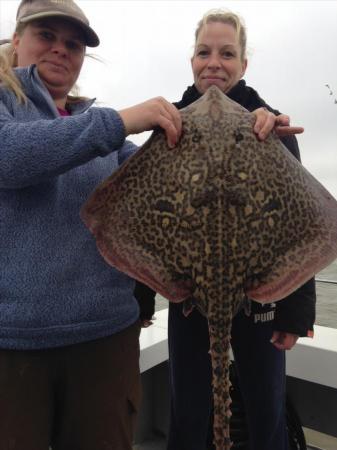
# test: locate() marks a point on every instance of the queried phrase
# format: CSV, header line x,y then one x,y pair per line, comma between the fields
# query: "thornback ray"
x,y
220,217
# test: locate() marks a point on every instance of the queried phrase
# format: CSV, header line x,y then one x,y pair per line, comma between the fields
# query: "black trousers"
x,y
80,397
261,372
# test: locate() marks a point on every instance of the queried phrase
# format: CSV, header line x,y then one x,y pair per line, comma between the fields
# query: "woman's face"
x,y
217,57
57,48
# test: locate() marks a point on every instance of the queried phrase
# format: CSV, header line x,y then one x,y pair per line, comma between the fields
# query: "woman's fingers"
x,y
266,122
286,131
174,115
146,323
282,119
153,113
282,126
169,120
283,340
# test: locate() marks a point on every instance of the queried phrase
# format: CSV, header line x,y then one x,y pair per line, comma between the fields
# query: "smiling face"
x,y
57,48
217,58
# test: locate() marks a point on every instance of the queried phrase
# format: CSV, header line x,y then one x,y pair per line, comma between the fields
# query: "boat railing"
x,y
325,280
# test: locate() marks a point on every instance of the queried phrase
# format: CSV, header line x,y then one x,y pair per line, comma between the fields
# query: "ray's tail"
x,y
220,356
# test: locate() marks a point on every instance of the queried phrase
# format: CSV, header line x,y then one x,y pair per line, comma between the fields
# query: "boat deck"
x,y
315,441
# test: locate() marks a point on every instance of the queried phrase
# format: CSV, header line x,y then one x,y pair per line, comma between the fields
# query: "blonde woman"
x,y
260,337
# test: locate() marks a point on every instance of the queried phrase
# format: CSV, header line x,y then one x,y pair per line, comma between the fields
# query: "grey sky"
x,y
146,47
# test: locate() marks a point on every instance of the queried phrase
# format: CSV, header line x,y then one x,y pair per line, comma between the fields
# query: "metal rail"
x,y
324,280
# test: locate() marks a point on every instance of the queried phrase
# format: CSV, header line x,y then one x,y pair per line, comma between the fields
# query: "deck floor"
x,y
319,441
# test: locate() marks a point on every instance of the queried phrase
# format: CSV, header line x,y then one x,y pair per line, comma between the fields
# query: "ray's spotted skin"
x,y
221,217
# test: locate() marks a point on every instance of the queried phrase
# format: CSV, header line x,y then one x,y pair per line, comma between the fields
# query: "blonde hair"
x,y
8,60
226,17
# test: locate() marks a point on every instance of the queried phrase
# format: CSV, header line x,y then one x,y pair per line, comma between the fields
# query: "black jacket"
x,y
296,313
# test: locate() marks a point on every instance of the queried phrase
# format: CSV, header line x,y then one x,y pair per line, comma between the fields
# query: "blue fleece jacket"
x,y
55,288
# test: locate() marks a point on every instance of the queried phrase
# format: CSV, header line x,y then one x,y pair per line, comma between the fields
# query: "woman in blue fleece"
x,y
69,328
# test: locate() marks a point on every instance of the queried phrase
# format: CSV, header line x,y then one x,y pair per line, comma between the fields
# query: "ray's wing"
x,y
297,235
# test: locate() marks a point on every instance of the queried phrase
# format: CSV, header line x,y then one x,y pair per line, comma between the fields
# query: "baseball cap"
x,y
38,9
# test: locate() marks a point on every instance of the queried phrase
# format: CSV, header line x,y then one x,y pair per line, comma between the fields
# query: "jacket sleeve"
x,y
128,149
34,151
296,312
